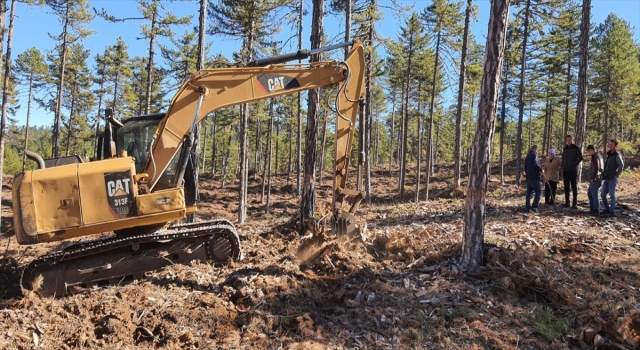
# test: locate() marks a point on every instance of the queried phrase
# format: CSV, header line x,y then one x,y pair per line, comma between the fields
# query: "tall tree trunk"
x,y
581,110
431,108
5,88
204,150
393,125
70,123
289,165
299,135
503,116
523,65
368,105
55,136
457,154
26,127
258,149
475,214
308,201
269,156
347,24
99,119
278,147
268,151
405,121
567,97
214,149
244,144
418,175
152,40
195,152
376,161
323,148
225,159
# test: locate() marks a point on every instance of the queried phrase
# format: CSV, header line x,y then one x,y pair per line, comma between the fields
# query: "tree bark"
x,y
457,155
269,171
152,40
213,149
503,116
475,214
418,174
323,148
268,154
405,120
299,135
308,201
568,91
431,109
55,136
581,110
523,65
393,125
368,105
26,127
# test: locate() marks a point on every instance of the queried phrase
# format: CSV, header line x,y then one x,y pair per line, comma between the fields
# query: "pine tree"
x,y
412,41
457,156
5,88
443,20
581,117
30,68
117,73
475,214
252,22
73,15
616,76
158,25
308,200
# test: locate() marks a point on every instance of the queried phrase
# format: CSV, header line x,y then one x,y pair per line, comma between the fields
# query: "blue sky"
x,y
34,24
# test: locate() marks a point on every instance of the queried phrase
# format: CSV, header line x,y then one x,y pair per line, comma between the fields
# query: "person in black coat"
x,y
533,172
612,169
571,159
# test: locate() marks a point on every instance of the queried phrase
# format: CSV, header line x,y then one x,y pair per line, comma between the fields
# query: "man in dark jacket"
x,y
533,172
571,159
595,180
612,169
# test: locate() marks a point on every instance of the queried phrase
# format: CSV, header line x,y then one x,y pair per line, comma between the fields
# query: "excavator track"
x,y
116,260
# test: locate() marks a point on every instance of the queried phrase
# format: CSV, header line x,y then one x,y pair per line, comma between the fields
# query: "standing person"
x,y
571,159
533,172
595,180
612,169
551,172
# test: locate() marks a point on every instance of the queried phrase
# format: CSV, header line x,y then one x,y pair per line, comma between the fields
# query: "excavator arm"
x,y
212,89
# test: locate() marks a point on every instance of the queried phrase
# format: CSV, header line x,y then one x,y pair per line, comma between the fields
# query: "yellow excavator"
x,y
137,184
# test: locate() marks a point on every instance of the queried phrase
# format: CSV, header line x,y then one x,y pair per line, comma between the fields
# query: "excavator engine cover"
x,y
63,202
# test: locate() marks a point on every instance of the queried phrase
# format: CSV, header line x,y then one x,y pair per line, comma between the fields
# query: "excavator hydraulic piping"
x,y
298,55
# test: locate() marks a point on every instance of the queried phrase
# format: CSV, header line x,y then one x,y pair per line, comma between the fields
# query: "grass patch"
x,y
547,325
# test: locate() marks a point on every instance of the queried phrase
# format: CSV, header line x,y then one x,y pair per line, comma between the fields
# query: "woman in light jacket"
x,y
551,172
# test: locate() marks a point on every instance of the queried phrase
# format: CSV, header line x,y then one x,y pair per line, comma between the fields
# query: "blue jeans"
x,y
609,187
594,200
533,186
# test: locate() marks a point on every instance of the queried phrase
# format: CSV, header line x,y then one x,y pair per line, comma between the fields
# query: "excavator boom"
x,y
212,89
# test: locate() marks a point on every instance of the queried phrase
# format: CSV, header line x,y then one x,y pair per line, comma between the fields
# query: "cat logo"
x,y
118,187
272,82
120,194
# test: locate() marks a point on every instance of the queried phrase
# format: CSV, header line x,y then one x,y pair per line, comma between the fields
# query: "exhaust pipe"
x,y
36,158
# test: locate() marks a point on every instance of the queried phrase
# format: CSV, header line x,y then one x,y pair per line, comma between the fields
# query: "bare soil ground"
x,y
558,280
